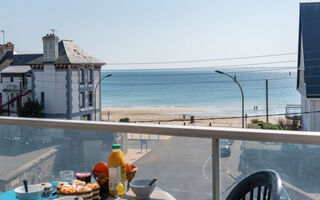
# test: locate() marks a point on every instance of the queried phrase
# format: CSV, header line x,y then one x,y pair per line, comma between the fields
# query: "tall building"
x,y
62,79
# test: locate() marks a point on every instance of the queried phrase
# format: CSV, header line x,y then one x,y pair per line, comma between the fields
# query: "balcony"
x,y
188,161
10,88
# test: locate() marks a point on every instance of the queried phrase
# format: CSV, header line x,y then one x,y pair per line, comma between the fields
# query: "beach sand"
x,y
154,115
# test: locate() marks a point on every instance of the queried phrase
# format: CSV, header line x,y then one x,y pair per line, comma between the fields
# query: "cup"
x,y
67,175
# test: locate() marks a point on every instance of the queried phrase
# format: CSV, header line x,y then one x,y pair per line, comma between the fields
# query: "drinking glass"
x,y
29,176
67,175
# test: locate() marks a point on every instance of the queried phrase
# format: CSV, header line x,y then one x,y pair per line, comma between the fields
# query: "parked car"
x,y
225,148
230,142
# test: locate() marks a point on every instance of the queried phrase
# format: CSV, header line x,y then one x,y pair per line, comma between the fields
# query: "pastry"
x,y
47,191
84,192
61,184
76,183
95,190
47,186
67,190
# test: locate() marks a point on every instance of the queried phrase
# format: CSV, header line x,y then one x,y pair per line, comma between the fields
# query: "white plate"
x,y
69,198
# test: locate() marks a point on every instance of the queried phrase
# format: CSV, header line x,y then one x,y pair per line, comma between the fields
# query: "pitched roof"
x,y
24,59
71,53
11,59
16,69
309,32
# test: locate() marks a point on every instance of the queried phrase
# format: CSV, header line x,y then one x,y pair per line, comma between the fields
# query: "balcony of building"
x,y
190,162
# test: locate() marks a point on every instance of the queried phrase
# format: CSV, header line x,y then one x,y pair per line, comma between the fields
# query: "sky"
x,y
127,31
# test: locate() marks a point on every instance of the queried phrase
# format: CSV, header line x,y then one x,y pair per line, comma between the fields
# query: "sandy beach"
x,y
174,116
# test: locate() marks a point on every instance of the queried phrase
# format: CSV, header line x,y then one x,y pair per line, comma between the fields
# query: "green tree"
x,y
31,108
124,119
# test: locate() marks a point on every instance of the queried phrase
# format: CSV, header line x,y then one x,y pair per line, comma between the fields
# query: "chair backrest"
x,y
262,185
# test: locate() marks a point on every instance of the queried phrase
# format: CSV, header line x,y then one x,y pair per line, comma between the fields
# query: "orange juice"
x,y
117,171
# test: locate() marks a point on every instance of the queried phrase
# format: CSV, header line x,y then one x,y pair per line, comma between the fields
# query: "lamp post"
x,y
2,31
95,96
235,80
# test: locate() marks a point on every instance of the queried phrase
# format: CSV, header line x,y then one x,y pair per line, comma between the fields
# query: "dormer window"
x,y
76,51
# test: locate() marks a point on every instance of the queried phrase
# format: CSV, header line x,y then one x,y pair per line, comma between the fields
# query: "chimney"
x,y
50,48
4,48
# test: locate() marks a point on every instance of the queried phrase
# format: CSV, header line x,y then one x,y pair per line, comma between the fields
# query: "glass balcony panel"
x,y
181,164
39,154
297,164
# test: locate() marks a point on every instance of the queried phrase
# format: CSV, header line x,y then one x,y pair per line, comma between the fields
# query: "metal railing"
x,y
213,133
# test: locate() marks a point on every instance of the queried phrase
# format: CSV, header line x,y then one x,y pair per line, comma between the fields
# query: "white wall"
x,y
315,117
75,91
305,117
96,77
53,84
310,121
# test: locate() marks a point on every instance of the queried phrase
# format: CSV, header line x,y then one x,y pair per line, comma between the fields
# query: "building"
x,y
15,79
308,76
62,78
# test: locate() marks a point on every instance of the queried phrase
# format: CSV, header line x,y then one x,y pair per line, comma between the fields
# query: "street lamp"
x,y
2,31
235,80
95,96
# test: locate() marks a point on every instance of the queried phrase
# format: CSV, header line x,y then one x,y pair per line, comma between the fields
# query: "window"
x,y
11,79
24,82
90,76
76,51
90,98
81,76
42,98
82,100
86,117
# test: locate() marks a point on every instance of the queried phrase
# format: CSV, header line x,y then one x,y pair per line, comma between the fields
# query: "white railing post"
x,y
215,169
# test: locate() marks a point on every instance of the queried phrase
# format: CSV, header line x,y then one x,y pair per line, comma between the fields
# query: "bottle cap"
x,y
116,146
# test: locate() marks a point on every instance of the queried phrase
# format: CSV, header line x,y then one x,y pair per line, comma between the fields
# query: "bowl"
x,y
84,176
69,198
141,188
34,192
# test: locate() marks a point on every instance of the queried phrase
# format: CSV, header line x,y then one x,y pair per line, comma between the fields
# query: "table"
x,y
157,194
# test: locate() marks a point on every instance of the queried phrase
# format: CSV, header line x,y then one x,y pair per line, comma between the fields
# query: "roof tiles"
x,y
309,32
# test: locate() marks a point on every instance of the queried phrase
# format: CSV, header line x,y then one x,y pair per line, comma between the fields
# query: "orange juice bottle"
x,y
117,171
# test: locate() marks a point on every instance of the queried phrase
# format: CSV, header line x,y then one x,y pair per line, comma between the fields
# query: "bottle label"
x,y
114,177
117,175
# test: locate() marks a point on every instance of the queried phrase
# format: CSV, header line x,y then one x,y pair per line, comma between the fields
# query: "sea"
x,y
202,89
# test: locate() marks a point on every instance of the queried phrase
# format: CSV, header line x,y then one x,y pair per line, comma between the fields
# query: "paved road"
x,y
180,165
183,167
